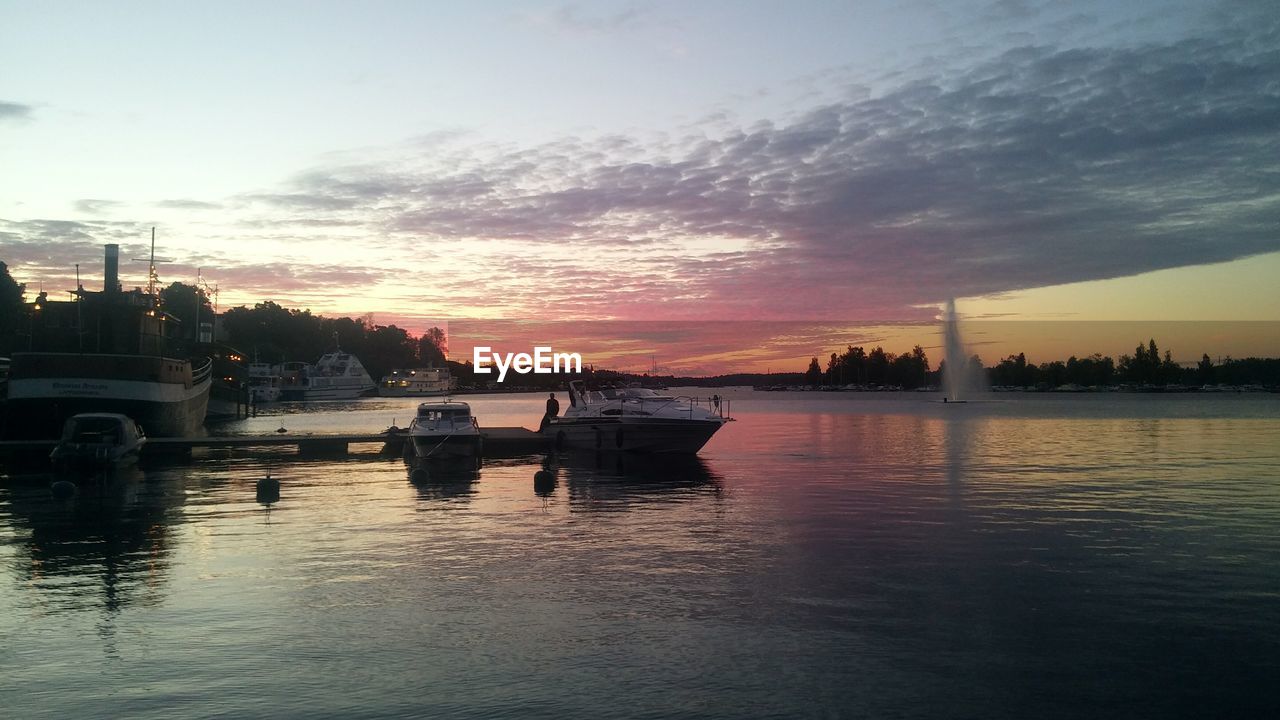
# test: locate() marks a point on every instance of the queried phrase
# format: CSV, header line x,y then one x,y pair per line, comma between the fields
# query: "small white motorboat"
x,y
97,441
443,430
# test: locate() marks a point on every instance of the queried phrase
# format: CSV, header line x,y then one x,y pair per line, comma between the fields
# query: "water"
x,y
829,555
960,377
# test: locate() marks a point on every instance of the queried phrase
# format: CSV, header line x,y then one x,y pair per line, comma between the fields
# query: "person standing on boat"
x,y
553,409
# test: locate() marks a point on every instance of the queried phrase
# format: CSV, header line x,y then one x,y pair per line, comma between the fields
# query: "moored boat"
x,y
97,441
264,383
109,351
416,382
443,430
636,420
336,375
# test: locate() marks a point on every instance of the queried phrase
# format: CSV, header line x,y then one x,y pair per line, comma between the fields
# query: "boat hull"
x,y
443,447
80,459
309,394
159,393
638,435
410,392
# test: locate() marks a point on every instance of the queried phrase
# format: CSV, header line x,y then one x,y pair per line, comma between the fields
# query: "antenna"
x,y
152,278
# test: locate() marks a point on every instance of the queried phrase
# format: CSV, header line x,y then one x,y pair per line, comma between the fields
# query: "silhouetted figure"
x,y
553,409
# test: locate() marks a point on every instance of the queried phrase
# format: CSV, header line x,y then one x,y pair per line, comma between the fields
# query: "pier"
x,y
498,442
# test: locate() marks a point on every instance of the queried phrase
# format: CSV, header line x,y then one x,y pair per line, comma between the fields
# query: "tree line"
x,y
271,333
1145,367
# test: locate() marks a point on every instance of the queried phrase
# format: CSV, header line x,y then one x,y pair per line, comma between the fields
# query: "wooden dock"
x,y
498,442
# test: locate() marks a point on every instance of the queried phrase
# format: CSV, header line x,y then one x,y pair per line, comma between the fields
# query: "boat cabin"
x,y
444,413
97,440
102,428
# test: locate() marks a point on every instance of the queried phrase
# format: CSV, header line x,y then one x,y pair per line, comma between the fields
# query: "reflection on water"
x,y
598,481
443,478
104,547
825,557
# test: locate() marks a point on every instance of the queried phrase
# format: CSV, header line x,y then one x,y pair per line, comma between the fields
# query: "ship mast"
x,y
151,276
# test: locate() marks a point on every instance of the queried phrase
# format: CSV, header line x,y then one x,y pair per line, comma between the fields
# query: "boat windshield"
x,y
642,394
437,414
93,429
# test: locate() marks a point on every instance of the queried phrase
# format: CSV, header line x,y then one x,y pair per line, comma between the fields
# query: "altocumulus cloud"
x,y
1040,166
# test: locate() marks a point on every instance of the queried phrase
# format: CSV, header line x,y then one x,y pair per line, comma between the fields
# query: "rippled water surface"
x,y
825,556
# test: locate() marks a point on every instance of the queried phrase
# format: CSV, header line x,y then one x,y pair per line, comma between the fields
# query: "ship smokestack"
x,y
111,274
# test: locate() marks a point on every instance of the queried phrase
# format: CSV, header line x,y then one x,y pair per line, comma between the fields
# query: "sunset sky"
x,y
660,161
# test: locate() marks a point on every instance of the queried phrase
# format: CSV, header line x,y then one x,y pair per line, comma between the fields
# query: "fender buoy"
x,y
544,483
268,489
63,489
617,438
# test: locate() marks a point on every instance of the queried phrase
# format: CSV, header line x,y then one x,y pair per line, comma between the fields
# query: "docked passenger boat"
x,y
106,352
636,420
98,441
443,430
336,375
416,382
264,383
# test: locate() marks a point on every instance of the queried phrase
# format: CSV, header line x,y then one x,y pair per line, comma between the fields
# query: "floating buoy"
x,y
282,429
268,489
419,475
63,489
544,482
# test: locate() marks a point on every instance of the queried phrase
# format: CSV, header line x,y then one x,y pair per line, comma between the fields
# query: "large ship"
x,y
105,352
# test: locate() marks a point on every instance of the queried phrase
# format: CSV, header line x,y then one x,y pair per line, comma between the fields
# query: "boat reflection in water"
x,y
109,541
592,477
437,478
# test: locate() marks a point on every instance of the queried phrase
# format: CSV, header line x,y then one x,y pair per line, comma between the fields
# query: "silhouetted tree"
x,y
276,334
431,348
384,348
1204,371
878,366
13,311
182,301
813,375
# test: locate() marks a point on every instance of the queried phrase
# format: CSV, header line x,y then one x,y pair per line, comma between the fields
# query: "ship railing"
x,y
714,405
200,373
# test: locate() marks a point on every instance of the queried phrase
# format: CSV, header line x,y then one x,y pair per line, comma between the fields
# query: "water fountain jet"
x,y
960,376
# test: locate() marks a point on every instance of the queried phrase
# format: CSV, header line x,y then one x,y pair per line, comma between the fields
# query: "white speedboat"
x,y
636,420
443,430
97,441
336,375
416,382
